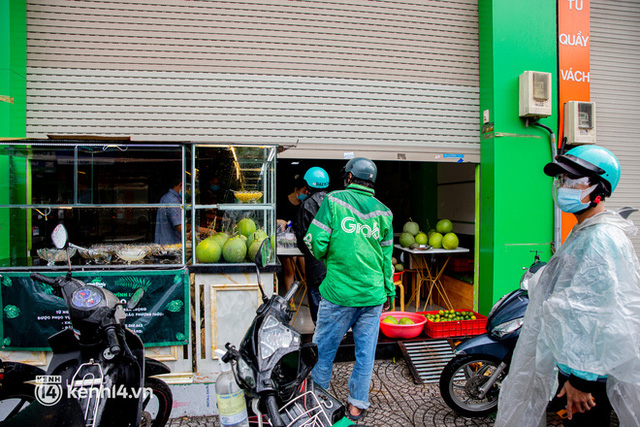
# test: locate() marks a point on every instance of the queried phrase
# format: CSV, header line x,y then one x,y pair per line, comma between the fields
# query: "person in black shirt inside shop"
x,y
287,210
317,180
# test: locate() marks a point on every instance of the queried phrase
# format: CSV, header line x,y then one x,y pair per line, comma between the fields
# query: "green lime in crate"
x,y
454,323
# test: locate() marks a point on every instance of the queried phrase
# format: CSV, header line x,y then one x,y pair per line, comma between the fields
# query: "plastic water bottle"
x,y
232,406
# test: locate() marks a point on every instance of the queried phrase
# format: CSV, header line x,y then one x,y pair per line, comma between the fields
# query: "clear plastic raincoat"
x,y
584,312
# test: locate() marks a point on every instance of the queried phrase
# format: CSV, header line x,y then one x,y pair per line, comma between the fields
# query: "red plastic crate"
x,y
455,328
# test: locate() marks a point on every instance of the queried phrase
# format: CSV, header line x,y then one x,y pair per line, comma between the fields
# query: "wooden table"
x,y
428,272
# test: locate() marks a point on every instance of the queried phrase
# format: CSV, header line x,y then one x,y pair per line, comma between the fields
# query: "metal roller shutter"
x,y
386,78
615,72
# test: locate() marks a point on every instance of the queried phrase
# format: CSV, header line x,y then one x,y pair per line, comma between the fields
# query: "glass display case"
x,y
133,204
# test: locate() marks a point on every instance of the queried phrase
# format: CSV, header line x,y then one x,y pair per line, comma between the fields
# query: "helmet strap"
x,y
598,195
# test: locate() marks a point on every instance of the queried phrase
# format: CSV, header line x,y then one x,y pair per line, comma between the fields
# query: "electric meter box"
x,y
580,122
535,94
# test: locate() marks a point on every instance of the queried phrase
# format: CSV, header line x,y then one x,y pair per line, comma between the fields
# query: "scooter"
x,y
98,375
470,382
272,366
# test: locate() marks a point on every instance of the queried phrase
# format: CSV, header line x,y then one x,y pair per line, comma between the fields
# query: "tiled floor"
x,y
396,401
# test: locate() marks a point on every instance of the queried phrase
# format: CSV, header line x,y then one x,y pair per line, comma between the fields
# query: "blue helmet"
x,y
591,161
316,177
362,168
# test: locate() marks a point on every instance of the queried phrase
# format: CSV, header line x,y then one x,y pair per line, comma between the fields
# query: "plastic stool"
x,y
399,283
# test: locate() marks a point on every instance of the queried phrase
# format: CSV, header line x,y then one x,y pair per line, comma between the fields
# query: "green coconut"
x,y
444,226
253,249
256,235
406,239
422,238
234,250
435,240
411,227
220,238
246,226
450,241
208,251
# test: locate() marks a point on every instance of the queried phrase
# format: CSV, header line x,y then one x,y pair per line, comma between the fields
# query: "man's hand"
x,y
577,401
387,305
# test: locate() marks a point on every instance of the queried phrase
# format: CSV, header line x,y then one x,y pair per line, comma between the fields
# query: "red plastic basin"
x,y
402,331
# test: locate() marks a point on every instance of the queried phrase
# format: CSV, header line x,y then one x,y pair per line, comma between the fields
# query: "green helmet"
x,y
362,168
591,161
316,177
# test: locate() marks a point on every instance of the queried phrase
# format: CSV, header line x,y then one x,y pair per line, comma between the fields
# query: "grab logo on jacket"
x,y
349,225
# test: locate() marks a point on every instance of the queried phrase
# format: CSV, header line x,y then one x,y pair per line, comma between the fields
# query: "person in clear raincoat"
x,y
581,334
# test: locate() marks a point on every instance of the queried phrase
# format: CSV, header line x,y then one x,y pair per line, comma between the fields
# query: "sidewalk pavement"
x,y
396,401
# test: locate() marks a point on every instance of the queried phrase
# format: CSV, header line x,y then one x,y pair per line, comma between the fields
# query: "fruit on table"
x,y
399,268
234,250
208,251
450,241
450,315
444,226
394,261
406,239
435,240
246,226
421,238
411,227
406,321
390,319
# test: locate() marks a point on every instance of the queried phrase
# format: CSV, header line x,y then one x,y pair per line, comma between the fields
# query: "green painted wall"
x,y
13,121
13,67
516,209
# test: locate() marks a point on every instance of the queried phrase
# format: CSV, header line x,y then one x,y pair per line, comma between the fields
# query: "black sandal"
x,y
354,417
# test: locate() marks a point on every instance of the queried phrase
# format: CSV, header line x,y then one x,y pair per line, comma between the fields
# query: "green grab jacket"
x,y
352,234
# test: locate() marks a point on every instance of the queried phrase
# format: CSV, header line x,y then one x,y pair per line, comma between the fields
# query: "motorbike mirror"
x,y
135,298
263,254
59,236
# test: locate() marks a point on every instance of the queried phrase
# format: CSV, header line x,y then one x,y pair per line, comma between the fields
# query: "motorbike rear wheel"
x,y
461,379
14,402
156,408
15,392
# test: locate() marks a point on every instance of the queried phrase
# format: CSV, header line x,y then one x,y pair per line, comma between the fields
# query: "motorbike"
x,y
272,366
470,382
98,375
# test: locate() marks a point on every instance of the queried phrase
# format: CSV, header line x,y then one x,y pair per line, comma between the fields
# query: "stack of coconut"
x,y
241,246
440,237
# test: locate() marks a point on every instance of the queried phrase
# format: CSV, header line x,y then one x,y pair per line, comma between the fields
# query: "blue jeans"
x,y
333,322
314,298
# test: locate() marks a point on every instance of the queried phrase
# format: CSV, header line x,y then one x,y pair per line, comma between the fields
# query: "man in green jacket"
x,y
352,234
